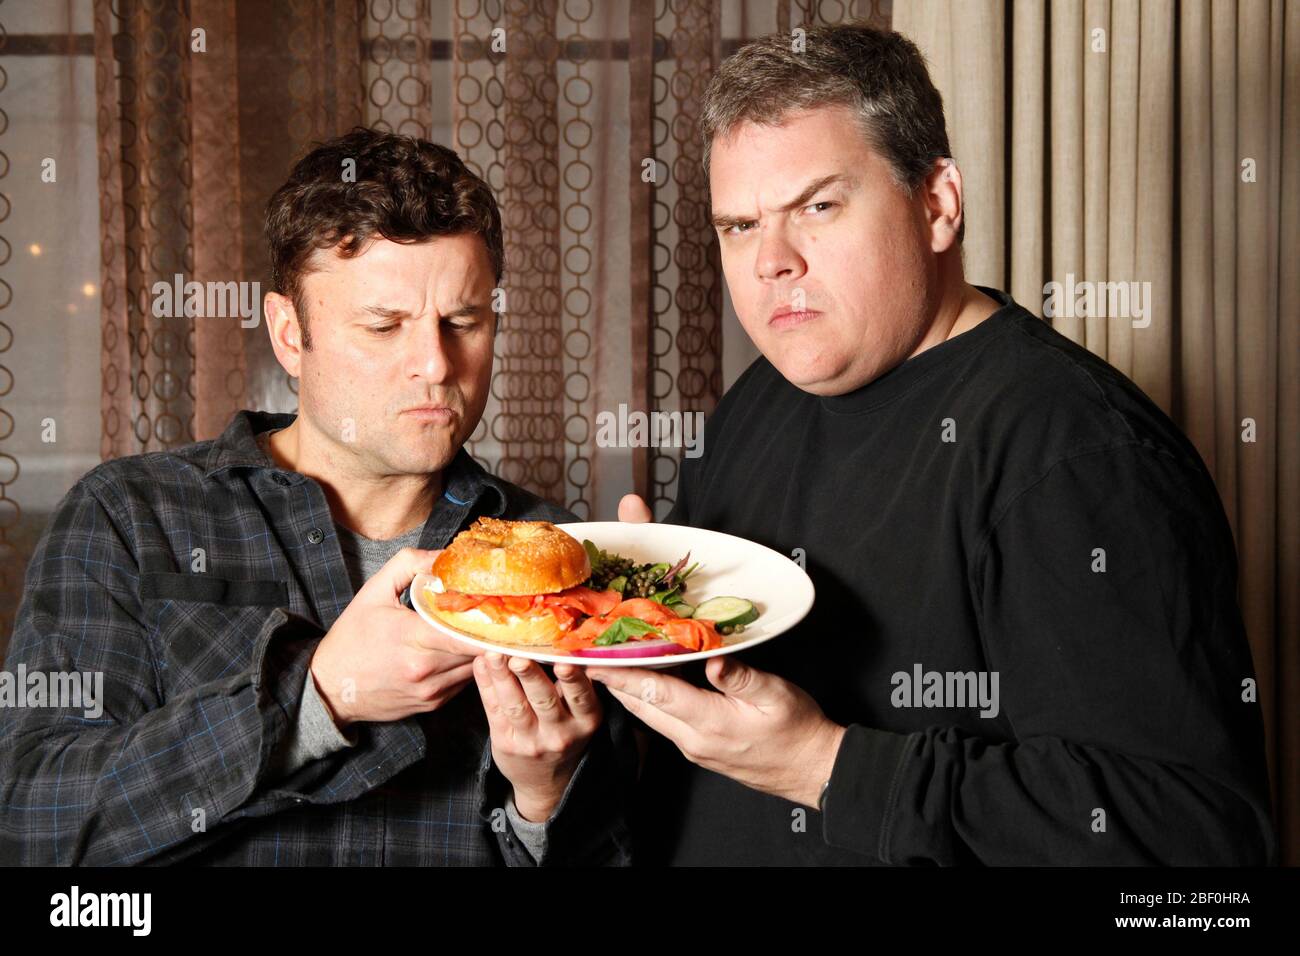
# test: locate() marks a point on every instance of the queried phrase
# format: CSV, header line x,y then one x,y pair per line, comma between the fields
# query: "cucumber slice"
x,y
682,609
726,611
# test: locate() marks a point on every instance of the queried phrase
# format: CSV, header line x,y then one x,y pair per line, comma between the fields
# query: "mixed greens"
x,y
664,584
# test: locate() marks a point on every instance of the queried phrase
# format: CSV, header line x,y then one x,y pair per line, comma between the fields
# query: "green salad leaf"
x,y
624,629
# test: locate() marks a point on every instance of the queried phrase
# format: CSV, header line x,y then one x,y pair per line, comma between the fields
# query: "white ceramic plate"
x,y
729,567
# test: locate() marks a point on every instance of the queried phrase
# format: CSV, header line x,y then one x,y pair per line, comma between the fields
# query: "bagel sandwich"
x,y
515,582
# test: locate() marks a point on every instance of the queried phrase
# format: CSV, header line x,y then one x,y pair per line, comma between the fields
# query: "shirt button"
x,y
280,479
315,535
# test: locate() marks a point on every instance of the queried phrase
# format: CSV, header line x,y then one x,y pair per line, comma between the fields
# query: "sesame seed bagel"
x,y
492,556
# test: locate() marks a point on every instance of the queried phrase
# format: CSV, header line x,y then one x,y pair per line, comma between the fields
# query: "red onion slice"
x,y
632,649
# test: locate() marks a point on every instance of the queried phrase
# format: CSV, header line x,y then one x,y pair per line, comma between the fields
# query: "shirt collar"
x,y
237,445
465,480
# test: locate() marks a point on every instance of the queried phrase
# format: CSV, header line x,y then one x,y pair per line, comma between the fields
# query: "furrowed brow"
x,y
467,310
464,310
813,188
382,312
725,222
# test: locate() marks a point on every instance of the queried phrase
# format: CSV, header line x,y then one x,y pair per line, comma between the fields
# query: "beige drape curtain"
x,y
1155,142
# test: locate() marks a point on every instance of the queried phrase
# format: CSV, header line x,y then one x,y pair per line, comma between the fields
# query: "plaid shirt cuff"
x,y
314,734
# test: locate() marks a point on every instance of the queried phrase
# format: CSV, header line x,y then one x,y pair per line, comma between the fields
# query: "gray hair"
x,y
881,76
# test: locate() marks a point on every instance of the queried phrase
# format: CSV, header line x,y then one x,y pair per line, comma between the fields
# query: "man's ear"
x,y
286,334
942,195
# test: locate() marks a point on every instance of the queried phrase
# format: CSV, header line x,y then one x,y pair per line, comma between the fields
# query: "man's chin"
x,y
810,375
422,453
416,465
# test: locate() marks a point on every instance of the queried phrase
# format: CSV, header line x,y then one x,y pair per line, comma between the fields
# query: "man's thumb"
x,y
396,576
732,677
633,509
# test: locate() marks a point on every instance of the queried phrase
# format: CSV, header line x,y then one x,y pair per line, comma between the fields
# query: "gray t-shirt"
x,y
364,556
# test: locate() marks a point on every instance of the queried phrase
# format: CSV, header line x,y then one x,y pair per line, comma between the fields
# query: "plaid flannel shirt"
x,y
203,671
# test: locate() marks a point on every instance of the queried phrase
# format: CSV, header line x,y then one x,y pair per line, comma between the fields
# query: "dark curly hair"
x,y
406,190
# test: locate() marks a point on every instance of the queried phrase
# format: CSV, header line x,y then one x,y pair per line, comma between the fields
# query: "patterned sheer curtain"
x,y
580,116
177,119
202,108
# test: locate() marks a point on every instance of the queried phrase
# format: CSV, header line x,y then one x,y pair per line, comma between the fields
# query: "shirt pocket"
x,y
204,627
178,586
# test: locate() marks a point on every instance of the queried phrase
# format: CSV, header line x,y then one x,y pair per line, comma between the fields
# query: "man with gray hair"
x,y
1026,646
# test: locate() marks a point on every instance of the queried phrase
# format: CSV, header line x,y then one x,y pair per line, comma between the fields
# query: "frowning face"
x,y
399,326
828,261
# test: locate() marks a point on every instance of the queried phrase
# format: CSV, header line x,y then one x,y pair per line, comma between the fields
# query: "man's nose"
x,y
427,357
777,257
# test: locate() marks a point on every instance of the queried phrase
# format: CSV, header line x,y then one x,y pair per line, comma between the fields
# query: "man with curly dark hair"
x,y
269,696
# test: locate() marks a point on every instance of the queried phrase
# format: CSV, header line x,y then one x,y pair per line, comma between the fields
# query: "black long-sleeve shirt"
x,y
1003,503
